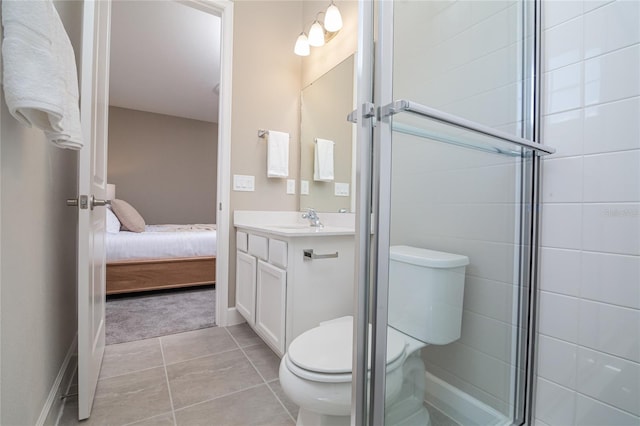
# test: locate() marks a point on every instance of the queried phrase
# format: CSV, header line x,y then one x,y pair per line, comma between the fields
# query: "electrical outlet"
x,y
244,183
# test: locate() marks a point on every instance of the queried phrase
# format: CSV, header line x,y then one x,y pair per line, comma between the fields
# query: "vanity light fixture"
x,y
319,34
302,45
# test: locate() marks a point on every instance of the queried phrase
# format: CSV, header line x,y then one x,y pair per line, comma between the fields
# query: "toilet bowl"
x,y
425,307
319,380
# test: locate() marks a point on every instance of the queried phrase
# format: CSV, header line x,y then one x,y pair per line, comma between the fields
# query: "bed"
x,y
161,257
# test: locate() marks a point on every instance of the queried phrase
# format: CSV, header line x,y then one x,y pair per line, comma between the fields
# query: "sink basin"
x,y
293,226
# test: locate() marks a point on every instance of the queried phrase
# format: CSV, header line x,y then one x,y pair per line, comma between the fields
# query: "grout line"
x,y
145,419
203,356
261,376
166,376
220,396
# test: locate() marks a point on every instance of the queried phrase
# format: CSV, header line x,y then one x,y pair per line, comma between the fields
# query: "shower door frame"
x,y
375,40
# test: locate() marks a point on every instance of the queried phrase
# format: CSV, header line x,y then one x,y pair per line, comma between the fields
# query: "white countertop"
x,y
291,224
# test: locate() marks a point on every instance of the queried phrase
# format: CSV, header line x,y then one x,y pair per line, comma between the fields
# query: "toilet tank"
x,y
426,289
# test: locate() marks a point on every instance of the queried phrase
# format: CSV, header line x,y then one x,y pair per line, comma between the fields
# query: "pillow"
x,y
128,216
113,224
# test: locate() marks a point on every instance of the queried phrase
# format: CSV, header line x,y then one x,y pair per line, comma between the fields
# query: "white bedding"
x,y
162,241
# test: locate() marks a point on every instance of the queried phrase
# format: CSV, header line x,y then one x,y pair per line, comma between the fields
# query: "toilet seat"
x,y
309,358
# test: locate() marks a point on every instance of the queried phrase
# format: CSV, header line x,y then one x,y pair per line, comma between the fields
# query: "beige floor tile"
x,y
128,357
291,407
131,397
265,360
256,406
193,344
210,377
244,335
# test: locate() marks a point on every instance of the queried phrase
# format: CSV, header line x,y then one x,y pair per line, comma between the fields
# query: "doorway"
x,y
163,130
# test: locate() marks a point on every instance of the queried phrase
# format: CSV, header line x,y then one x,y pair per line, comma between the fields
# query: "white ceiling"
x,y
165,58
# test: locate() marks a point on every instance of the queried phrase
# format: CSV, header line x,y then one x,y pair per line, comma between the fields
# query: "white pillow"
x,y
113,224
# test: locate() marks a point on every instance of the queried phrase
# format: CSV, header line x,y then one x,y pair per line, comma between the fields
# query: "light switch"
x,y
291,186
304,187
243,183
341,189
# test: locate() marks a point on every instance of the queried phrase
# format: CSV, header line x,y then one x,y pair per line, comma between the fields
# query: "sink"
x,y
292,226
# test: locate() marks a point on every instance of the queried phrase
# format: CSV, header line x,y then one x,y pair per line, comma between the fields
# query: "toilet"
x,y
426,290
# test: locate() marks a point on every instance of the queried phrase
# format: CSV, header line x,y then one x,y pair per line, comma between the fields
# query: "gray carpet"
x,y
160,313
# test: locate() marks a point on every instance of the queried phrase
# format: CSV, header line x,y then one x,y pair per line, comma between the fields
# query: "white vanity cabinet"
x,y
281,293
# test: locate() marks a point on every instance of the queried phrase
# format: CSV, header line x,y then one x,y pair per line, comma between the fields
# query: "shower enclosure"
x,y
449,161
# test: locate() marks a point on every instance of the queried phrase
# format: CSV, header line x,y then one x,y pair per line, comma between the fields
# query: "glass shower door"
x,y
453,196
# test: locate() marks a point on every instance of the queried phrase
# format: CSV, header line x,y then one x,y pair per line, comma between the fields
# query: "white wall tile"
x,y
557,361
611,278
489,298
563,89
563,44
610,329
562,180
560,271
558,316
555,12
611,228
611,77
555,404
609,379
612,127
611,27
563,131
590,412
494,338
562,226
612,177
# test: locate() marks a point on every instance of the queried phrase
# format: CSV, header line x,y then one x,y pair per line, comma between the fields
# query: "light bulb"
x,y
302,45
316,35
332,18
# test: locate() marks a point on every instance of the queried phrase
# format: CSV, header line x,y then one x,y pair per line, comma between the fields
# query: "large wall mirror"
x,y
325,104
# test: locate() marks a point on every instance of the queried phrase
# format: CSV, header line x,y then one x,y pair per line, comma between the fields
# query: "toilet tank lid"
x,y
426,257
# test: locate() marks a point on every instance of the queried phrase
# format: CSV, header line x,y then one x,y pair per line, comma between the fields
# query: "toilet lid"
x,y
328,348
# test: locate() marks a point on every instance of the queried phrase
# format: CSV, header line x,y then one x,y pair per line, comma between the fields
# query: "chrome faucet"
x,y
312,215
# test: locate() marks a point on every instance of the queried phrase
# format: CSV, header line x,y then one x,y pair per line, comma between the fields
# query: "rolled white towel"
x,y
39,71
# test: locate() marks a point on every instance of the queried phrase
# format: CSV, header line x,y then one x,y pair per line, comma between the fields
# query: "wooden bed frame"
x,y
129,276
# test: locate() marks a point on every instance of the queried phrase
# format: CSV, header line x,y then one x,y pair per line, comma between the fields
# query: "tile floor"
x,y
214,376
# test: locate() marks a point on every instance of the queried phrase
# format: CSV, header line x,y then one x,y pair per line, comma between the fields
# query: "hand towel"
x,y
277,154
323,160
39,71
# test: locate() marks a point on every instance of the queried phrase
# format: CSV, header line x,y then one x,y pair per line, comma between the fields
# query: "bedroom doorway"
x,y
165,79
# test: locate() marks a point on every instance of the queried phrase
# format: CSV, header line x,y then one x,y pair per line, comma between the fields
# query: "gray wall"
x,y
38,244
164,166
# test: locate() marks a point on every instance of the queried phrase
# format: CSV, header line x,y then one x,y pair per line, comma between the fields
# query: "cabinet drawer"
x,y
241,241
258,246
278,253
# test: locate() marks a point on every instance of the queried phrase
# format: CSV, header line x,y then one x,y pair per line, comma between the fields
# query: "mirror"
x,y
325,104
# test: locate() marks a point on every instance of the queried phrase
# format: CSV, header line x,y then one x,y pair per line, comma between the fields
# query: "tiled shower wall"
x,y
589,342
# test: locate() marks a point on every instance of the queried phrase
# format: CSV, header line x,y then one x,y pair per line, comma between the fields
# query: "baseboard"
x,y
53,404
459,405
234,317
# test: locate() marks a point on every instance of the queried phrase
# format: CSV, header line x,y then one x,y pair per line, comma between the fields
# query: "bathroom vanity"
x,y
290,276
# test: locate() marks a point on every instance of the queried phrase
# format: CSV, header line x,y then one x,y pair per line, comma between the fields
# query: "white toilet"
x,y
426,290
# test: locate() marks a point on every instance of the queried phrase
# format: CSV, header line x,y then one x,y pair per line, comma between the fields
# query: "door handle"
x,y
96,202
85,202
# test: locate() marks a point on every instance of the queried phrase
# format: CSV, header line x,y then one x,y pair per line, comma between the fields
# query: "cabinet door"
x,y
246,286
270,305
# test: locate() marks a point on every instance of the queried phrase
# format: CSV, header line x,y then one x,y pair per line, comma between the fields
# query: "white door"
x,y
92,182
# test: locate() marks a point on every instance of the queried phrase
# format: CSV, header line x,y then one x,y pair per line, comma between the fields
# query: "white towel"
x,y
39,71
277,154
323,160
